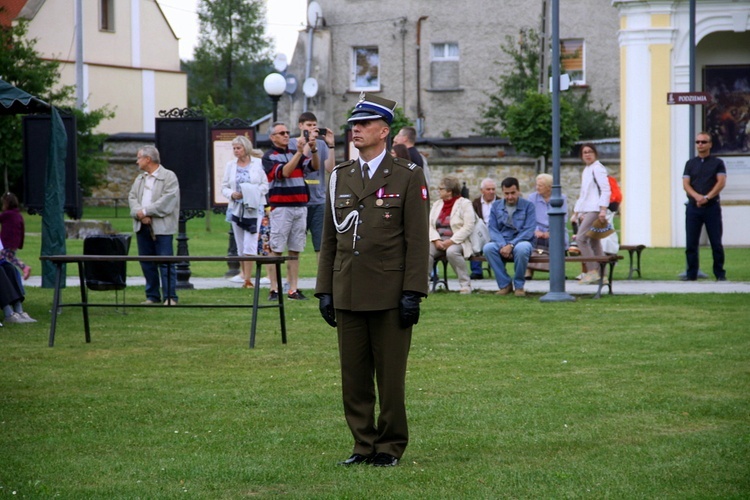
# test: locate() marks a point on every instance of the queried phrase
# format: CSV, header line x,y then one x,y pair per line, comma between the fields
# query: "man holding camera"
x,y
288,196
315,177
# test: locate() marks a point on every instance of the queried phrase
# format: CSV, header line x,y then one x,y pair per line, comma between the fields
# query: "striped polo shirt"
x,y
289,191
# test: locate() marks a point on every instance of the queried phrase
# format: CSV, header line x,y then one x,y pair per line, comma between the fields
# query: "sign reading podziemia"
x,y
688,98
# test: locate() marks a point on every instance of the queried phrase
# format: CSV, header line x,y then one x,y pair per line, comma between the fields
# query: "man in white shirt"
x,y
482,205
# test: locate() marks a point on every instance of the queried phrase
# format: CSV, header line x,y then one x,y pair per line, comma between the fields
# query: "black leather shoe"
x,y
476,276
383,460
356,459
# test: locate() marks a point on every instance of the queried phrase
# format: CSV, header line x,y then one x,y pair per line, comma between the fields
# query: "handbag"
x,y
480,235
249,224
539,266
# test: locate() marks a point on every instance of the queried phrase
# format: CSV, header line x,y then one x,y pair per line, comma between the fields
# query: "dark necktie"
x,y
365,174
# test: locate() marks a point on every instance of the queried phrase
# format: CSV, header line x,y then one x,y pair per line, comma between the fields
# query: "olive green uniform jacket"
x,y
391,251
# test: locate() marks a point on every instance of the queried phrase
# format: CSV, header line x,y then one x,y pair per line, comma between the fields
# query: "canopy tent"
x,y
15,101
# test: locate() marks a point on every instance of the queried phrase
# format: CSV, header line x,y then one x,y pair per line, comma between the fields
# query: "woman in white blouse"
x,y
245,186
591,205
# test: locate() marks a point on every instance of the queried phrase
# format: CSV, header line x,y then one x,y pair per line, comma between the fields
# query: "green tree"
x,y
529,125
523,77
512,85
400,120
92,160
592,123
232,58
21,66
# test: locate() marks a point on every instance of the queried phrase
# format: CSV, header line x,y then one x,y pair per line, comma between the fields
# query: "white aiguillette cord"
x,y
352,218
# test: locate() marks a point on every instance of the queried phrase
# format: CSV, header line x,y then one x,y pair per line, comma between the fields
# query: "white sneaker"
x,y
14,318
237,279
27,318
590,278
265,281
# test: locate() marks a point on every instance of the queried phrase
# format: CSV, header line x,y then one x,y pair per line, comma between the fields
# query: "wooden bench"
x,y
634,249
608,260
60,260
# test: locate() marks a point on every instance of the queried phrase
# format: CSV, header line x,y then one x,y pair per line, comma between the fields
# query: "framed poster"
x,y
727,117
221,154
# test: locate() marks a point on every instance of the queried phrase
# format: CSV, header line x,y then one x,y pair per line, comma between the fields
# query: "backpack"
x,y
615,197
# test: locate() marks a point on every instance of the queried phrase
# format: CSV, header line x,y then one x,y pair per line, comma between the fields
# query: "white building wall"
x,y
124,68
722,38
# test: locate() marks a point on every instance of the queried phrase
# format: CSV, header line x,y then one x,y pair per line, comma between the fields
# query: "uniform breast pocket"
x,y
387,212
343,208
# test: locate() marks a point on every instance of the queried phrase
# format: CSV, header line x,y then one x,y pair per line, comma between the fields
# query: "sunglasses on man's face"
x,y
702,142
283,132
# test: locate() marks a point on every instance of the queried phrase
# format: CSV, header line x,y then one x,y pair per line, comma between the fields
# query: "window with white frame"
x,y
445,71
365,68
572,55
445,51
107,15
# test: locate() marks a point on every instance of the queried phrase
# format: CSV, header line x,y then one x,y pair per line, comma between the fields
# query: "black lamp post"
x,y
557,216
275,85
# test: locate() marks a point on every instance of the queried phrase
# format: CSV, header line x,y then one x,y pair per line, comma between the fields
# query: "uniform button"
x,y
359,237
361,207
356,253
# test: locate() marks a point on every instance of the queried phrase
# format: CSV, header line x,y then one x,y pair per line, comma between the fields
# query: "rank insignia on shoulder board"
x,y
344,164
405,163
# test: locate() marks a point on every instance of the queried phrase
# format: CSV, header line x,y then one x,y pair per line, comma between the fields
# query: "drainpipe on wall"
x,y
543,66
420,116
403,31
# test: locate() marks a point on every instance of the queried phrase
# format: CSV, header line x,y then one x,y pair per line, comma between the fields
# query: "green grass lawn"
x,y
628,397
208,236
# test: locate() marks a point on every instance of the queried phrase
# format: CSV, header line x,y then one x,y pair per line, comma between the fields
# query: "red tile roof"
x,y
9,9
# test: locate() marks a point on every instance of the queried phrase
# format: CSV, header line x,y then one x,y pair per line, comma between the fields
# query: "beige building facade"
x,y
438,58
655,136
130,57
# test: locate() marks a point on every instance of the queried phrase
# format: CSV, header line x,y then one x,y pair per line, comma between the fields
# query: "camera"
x,y
306,133
322,131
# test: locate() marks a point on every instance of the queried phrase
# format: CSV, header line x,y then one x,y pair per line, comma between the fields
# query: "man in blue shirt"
x,y
511,225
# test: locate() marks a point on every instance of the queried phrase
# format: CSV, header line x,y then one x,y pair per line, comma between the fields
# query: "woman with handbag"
x,y
451,223
591,207
245,185
541,199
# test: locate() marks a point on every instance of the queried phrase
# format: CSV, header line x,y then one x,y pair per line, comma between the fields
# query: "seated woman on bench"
x,y
451,223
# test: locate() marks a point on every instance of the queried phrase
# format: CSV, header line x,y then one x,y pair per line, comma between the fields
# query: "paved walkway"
x,y
620,287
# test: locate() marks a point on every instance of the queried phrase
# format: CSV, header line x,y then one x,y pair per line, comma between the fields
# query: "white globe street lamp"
x,y
275,85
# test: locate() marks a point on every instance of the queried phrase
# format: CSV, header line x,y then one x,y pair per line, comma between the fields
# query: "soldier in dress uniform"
x,y
371,278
